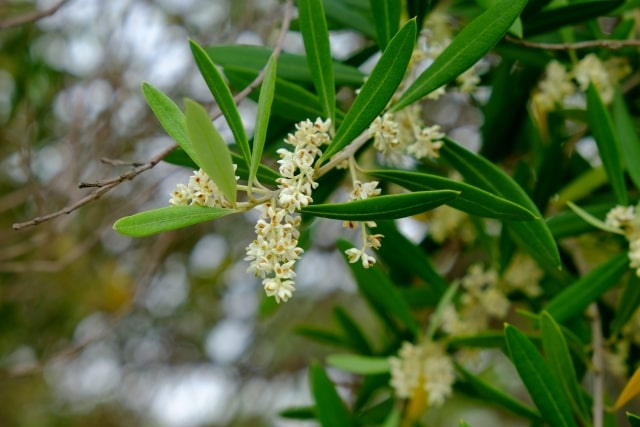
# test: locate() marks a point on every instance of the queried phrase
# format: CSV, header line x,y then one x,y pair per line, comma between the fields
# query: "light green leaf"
x,y
381,293
538,379
170,116
212,152
445,302
533,236
377,90
291,67
223,97
559,360
330,409
587,217
383,207
608,143
315,36
262,118
463,423
472,200
575,299
629,140
363,365
166,219
471,44
386,15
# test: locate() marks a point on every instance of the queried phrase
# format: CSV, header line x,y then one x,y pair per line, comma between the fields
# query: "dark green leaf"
x,y
608,143
559,360
377,90
533,236
575,299
490,393
291,67
211,150
386,15
363,365
170,116
552,19
262,118
629,140
302,413
223,97
472,200
567,223
634,420
330,409
166,219
340,12
322,336
627,304
380,292
383,207
315,36
543,387
471,44
353,333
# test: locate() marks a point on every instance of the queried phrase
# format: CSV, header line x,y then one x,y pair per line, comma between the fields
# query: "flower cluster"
x,y
362,191
560,83
425,366
275,250
200,191
626,220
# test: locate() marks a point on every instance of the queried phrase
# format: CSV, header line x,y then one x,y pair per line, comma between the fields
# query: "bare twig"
x,y
118,162
607,44
31,16
104,186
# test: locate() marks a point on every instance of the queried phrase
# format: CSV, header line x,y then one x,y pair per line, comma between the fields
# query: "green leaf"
x,y
262,118
166,219
575,299
472,200
363,365
306,413
436,318
567,223
315,36
353,333
490,393
538,379
170,117
552,19
330,409
222,95
291,101
533,236
596,222
322,336
383,207
291,67
627,304
377,90
340,12
470,45
634,420
212,152
608,143
559,360
386,15
380,292
629,140
463,423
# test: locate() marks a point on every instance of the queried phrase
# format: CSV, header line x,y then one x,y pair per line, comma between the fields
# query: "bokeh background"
x,y
98,329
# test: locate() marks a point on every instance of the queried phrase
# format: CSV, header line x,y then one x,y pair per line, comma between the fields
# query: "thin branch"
x,y
104,186
598,365
30,17
607,44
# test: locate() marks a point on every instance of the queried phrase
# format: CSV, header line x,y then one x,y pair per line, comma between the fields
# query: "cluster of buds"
x,y
200,191
362,191
625,219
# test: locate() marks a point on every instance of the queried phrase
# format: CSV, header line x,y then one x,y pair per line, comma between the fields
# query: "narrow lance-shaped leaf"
x,y
392,206
538,379
363,365
634,420
386,16
315,35
222,95
629,139
608,143
330,410
575,299
377,90
262,118
166,219
472,200
471,44
170,117
533,236
212,152
559,360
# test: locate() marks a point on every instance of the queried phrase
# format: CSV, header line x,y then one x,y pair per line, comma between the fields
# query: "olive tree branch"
x,y
104,186
31,16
